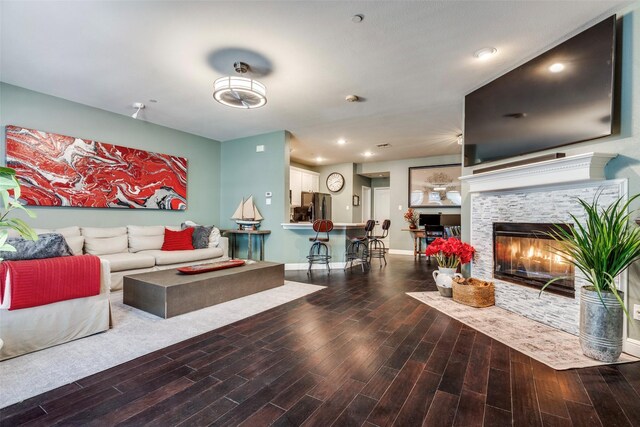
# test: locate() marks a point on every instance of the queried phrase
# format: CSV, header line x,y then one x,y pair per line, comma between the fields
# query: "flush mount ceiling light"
x,y
238,91
342,141
485,53
139,106
557,67
367,154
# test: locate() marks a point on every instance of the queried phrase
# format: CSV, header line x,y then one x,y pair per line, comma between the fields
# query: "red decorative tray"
x,y
203,268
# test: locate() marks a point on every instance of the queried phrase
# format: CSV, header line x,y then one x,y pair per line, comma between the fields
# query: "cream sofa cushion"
x,y
65,231
174,257
106,245
104,231
145,237
128,261
76,244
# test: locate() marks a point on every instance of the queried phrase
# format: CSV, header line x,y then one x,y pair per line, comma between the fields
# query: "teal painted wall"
x,y
22,107
626,144
245,172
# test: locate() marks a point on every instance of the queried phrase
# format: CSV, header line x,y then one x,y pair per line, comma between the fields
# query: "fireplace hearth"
x,y
524,255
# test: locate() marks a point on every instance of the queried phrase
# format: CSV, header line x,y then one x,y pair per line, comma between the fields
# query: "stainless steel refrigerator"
x,y
317,204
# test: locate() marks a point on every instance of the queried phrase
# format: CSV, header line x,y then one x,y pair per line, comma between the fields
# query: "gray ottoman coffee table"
x,y
168,293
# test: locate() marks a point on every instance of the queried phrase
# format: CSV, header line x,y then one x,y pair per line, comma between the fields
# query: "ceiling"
x,y
412,62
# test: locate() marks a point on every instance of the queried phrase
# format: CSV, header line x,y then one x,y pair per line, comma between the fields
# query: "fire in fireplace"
x,y
524,254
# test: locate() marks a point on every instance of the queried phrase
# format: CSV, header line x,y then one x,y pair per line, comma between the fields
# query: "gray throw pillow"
x,y
201,233
49,245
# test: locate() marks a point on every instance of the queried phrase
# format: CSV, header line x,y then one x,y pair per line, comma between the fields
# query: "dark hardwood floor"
x,y
360,352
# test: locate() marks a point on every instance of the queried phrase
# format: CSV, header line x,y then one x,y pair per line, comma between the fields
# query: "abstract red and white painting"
x,y
59,170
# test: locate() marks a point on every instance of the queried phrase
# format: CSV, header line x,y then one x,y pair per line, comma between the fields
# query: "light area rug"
x,y
134,333
553,347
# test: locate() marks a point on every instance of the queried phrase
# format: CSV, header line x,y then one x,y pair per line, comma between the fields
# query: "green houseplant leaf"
x,y
9,196
601,247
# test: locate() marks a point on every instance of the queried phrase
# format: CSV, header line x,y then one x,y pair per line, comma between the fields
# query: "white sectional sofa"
x,y
136,249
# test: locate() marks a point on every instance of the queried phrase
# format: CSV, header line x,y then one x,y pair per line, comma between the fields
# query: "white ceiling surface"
x,y
412,61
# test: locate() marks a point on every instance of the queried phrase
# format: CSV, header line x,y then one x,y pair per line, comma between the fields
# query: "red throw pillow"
x,y
178,240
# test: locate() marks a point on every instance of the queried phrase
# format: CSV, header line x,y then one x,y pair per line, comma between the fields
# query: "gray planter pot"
x,y
600,325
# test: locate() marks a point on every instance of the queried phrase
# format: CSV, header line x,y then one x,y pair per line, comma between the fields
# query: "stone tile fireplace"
x,y
535,196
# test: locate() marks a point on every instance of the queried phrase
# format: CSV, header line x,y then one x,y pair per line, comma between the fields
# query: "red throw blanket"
x,y
45,281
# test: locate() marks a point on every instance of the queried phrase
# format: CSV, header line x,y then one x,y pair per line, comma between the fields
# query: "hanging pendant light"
x,y
238,91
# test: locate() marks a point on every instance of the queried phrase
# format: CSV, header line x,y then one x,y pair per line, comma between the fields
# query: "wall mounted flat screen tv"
x,y
563,96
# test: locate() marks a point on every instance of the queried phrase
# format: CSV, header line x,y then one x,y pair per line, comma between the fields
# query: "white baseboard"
x,y
305,266
401,252
632,347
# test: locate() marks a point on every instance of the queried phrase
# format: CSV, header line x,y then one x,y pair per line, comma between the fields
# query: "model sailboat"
x,y
247,215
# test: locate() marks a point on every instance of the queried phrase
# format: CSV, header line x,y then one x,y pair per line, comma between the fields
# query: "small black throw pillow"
x,y
49,245
201,235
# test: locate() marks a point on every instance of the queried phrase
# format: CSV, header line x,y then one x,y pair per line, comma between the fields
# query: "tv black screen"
x,y
563,96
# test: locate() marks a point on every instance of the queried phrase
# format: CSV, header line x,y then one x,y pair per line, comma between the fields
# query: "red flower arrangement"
x,y
450,252
411,216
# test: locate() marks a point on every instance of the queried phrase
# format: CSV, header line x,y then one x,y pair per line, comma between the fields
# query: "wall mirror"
x,y
435,186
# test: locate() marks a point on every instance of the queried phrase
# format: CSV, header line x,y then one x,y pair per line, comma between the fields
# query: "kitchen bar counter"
x,y
297,236
309,225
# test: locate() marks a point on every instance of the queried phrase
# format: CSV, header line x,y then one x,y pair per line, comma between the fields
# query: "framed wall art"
x,y
435,186
60,170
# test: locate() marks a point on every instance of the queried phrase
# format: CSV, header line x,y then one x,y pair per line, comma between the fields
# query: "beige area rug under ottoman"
x,y
553,347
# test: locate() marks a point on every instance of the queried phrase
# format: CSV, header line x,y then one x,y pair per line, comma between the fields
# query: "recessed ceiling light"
x,y
485,53
557,67
367,154
356,19
342,141
319,159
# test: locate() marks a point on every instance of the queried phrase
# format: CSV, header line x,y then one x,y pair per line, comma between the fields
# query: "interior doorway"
x,y
381,209
366,203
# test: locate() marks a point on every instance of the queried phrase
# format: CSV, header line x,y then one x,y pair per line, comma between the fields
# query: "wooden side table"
x,y
417,234
250,233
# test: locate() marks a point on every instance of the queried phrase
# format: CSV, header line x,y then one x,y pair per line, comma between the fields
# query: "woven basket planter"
x,y
474,292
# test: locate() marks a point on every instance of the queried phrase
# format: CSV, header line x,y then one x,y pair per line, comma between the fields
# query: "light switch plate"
x,y
268,200
259,148
636,311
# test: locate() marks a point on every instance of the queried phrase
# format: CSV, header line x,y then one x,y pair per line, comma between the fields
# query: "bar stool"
x,y
319,252
376,245
358,248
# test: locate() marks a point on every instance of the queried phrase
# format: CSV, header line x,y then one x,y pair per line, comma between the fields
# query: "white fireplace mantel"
x,y
572,169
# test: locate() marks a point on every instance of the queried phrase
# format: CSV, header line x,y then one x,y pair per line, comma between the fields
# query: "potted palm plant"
x,y
602,247
9,196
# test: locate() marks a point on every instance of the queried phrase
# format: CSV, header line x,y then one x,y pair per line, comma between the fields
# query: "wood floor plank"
x,y
356,413
583,415
495,417
523,395
624,394
442,411
299,412
390,403
609,411
415,407
470,411
499,389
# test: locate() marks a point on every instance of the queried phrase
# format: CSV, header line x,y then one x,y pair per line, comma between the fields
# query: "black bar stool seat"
x,y
358,248
377,248
319,252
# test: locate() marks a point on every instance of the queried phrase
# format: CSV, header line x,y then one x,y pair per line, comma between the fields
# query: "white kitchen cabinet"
x,y
301,180
295,185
